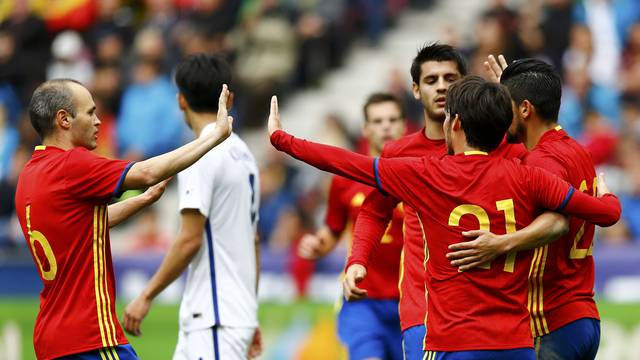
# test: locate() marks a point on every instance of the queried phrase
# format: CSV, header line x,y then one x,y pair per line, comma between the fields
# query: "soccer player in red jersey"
x,y
564,316
62,204
370,327
482,313
434,68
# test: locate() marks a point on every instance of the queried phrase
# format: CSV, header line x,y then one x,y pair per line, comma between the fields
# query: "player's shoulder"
x,y
404,145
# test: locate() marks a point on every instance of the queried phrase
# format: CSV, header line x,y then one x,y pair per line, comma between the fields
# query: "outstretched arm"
x,y
339,161
123,210
152,171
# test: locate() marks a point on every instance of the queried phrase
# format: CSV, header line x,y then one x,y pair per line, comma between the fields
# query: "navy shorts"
x,y
120,352
578,340
370,328
511,354
413,342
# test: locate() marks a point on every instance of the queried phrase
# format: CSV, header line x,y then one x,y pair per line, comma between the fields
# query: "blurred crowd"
x,y
125,50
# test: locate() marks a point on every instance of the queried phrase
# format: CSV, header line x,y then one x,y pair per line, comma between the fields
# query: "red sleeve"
x,y
555,194
335,160
370,226
396,176
337,211
90,176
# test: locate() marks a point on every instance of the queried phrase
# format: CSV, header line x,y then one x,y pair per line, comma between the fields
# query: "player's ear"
x,y
415,89
63,119
182,102
525,109
456,124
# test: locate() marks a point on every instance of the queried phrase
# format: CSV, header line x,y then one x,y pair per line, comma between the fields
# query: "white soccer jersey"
x,y
221,284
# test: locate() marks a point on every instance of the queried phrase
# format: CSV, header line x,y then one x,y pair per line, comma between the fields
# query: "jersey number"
x,y
38,237
576,252
483,219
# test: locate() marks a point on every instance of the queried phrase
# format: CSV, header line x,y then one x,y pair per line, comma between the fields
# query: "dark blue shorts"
x,y
512,354
120,352
578,340
370,328
413,342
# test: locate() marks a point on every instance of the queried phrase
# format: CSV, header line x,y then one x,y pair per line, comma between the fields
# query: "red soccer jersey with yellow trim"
x,y
345,198
479,309
562,273
61,202
412,305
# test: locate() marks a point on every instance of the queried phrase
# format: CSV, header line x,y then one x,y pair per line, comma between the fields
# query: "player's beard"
x,y
517,135
434,114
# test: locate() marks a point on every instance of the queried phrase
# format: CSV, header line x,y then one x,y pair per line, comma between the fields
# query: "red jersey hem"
x,y
81,350
472,347
408,325
561,316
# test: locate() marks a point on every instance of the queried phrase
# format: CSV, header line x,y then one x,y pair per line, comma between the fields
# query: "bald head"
x,y
48,99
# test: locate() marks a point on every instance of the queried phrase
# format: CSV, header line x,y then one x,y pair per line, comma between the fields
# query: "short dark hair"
x,y
484,109
381,97
436,52
536,81
48,98
200,78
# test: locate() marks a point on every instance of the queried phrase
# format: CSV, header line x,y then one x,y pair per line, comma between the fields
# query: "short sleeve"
x,y
337,210
195,187
548,190
90,176
393,176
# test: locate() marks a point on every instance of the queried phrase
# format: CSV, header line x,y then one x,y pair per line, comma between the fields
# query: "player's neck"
x,y
535,132
373,151
59,141
198,121
433,128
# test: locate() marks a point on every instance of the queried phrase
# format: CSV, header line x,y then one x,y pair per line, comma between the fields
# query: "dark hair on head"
x,y
436,52
49,98
200,78
536,81
484,109
381,97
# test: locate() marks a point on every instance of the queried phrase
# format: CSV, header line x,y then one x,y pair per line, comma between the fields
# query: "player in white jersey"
x,y
219,199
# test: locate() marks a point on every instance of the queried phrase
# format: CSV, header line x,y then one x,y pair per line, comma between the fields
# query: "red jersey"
x,y
412,307
345,198
61,202
563,274
481,308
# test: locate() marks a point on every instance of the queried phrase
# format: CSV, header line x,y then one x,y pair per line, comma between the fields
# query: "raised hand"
x,y
494,68
354,274
274,123
224,122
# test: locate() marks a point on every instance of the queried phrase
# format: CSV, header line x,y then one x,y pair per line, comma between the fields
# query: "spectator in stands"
x,y
70,58
149,122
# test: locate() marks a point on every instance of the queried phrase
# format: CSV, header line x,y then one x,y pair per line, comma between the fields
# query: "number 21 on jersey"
x,y
483,219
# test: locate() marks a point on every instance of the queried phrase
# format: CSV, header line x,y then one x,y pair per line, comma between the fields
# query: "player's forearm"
x,y
367,232
328,158
173,264
374,216
152,171
545,229
122,210
602,211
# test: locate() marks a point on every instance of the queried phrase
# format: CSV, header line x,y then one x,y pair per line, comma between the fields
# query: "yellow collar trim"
x,y
475,152
40,147
558,128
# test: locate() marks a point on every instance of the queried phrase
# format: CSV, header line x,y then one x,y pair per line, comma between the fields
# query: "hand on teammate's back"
x,y
274,123
494,68
354,274
224,122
